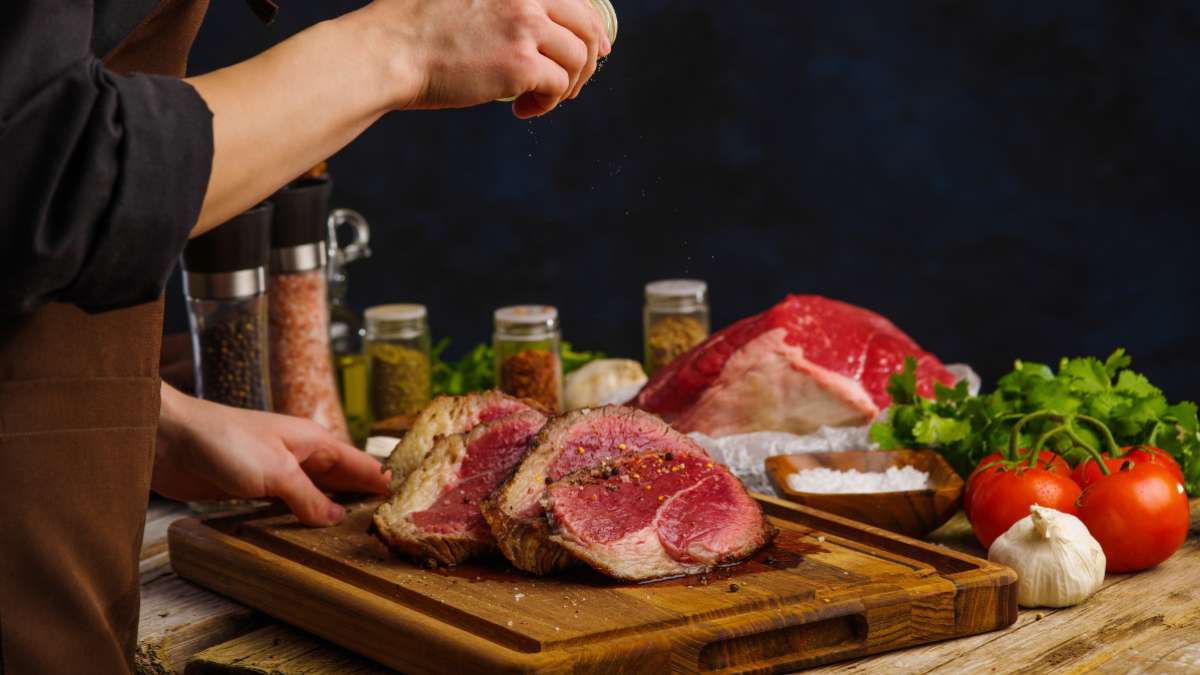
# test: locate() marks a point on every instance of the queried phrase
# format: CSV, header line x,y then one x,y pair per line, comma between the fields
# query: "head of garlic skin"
x,y
1058,562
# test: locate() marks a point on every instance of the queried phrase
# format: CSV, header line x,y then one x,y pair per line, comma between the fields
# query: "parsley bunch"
x,y
965,428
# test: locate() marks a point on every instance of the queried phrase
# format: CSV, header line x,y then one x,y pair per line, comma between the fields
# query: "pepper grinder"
x,y
225,283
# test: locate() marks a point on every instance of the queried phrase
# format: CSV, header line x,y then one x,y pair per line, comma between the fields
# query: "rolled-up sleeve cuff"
x,y
166,159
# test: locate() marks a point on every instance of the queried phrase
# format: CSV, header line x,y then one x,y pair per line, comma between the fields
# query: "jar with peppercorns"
x,y
527,343
399,365
675,319
225,283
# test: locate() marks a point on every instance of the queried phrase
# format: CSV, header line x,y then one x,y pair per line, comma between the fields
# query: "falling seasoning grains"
x,y
733,588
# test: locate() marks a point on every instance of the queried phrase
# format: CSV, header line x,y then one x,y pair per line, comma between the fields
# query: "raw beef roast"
x,y
446,415
806,362
577,440
435,515
655,514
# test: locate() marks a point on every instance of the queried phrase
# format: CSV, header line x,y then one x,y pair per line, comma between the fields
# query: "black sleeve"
x,y
101,175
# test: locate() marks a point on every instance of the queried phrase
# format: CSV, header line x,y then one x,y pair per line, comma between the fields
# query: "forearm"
x,y
285,110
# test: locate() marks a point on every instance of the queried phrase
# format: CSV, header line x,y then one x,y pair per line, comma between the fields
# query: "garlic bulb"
x,y
1058,562
602,382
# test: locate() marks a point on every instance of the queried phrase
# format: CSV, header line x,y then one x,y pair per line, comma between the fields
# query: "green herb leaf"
x,y
902,386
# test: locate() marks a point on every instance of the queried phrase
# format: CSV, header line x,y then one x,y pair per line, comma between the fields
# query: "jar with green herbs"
x,y
398,359
527,343
675,319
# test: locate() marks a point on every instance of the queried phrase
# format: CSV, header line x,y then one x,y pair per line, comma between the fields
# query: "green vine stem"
x,y
1113,448
1065,426
1015,438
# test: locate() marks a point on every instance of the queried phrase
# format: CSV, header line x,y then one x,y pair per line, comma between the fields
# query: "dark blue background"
x,y
1000,179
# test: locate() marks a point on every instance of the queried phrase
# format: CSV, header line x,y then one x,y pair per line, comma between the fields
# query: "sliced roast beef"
x,y
446,415
655,514
577,440
806,362
435,515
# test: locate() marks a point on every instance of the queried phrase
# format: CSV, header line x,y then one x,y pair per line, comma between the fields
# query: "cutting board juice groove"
x,y
835,589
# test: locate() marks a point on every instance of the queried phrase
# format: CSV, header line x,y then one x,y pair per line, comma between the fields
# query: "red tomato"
x,y
1006,497
1088,471
990,465
1148,454
1138,514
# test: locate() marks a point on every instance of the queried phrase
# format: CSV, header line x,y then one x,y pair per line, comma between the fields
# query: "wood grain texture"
x,y
854,590
278,649
1137,623
914,513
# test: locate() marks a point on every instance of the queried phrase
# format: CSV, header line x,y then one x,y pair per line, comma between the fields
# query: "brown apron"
x,y
79,404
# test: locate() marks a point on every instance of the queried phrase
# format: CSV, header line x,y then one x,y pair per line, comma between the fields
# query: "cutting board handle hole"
x,y
800,643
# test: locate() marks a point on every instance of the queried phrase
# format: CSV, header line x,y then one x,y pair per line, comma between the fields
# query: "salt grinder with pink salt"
x,y
302,377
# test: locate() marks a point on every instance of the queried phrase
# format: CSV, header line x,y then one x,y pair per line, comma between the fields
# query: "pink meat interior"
x,y
501,408
489,459
697,508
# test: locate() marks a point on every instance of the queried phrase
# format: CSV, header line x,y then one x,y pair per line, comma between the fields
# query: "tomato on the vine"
x,y
1088,471
989,466
1139,514
1006,495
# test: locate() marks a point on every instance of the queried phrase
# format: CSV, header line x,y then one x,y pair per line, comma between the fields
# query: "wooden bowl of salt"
x,y
911,492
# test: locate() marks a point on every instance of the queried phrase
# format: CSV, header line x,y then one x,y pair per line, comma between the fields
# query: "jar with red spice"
x,y
302,376
528,363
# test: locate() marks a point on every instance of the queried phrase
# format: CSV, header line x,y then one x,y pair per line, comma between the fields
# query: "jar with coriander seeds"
x,y
399,366
674,319
527,342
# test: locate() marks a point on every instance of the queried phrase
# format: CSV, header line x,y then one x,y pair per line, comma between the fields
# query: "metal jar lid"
x,y
677,293
402,320
526,322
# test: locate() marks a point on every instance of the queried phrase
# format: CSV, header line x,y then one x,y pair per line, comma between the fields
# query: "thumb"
x,y
309,504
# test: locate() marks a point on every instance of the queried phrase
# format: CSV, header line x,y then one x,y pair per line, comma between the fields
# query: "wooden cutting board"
x,y
828,589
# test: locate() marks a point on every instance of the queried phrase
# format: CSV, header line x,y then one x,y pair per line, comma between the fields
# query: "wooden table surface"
x,y
1137,623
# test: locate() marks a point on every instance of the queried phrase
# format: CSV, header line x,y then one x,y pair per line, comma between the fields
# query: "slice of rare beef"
x,y
807,362
435,515
446,415
577,440
655,514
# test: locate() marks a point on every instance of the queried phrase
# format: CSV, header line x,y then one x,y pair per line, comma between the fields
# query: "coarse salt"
x,y
822,480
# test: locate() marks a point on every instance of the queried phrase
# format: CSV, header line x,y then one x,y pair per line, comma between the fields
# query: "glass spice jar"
x,y
527,343
302,374
225,284
399,367
674,319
